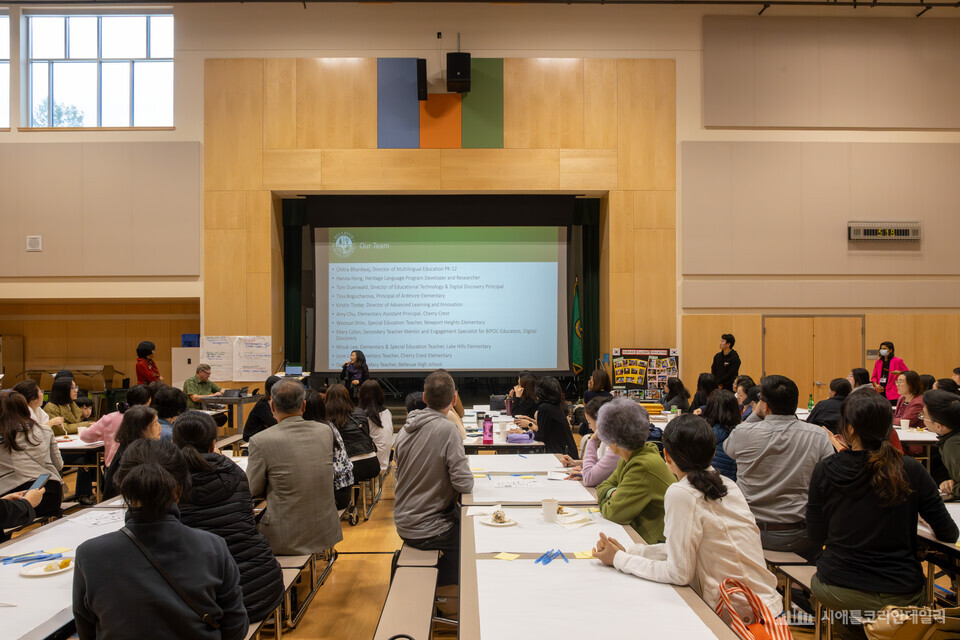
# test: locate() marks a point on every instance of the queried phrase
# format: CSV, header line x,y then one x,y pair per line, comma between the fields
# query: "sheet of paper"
x,y
516,463
557,475
217,351
515,490
532,535
98,517
252,358
626,598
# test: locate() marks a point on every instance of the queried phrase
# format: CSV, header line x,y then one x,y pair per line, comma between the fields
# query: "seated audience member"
x,y
677,396
455,418
379,420
633,494
862,511
414,402
706,384
169,402
432,471
550,421
598,386
722,413
314,411
28,450
31,391
927,381
775,459
956,376
260,417
859,378
106,428
598,461
941,415
219,501
147,370
711,534
63,404
198,387
524,396
354,430
118,592
827,412
139,422
750,400
740,387
910,402
292,464
943,384
86,408
17,509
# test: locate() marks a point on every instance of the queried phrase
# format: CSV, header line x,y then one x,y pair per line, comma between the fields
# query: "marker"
x,y
522,456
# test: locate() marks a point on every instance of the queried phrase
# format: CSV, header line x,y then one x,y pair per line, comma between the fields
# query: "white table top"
x,y
240,460
532,534
915,436
519,490
38,600
74,443
515,463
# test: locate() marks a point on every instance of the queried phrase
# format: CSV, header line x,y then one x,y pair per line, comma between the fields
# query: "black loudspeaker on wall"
x,y
458,72
421,79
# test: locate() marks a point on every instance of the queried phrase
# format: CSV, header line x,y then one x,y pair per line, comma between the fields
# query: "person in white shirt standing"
x,y
710,530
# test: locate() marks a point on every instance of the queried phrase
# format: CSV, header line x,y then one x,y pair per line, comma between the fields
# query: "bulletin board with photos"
x,y
642,374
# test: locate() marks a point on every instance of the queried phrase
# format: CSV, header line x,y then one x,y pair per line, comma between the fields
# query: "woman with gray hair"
x,y
634,493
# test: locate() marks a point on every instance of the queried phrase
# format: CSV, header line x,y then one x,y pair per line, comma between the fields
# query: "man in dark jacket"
x,y
726,364
827,412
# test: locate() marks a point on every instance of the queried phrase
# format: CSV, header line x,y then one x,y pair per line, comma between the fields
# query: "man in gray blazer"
x,y
292,464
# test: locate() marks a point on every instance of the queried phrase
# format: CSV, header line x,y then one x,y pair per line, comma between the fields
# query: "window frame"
x,y
5,13
99,60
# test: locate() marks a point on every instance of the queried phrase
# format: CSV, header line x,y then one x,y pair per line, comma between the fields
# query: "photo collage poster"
x,y
642,374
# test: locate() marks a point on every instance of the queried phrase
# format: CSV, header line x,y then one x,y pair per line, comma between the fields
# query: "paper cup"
x,y
550,510
905,424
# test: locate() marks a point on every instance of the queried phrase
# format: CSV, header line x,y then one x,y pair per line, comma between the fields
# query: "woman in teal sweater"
x,y
634,493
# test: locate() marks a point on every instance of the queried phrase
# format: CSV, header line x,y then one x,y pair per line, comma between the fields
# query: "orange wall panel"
x,y
440,117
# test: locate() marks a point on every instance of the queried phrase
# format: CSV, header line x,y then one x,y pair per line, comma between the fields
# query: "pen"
x,y
522,456
563,556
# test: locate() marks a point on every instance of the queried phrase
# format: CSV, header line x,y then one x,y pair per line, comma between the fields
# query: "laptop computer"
x,y
235,393
293,369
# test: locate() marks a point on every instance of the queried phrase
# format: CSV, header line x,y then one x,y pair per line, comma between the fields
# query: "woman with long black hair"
x,y
354,431
379,419
355,372
27,450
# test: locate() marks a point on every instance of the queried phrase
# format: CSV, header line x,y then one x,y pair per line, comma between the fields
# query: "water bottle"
x,y
810,403
488,430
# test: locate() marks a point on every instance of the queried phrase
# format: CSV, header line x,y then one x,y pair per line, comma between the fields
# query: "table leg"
x,y
99,477
231,417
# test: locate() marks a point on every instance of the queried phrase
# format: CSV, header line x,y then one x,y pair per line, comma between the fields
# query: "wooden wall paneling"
x,y
937,344
157,332
45,339
600,103
748,330
788,351
655,288
898,328
621,310
279,103
259,315
94,341
381,169
224,209
701,335
224,282
620,223
654,209
292,169
543,103
836,350
588,169
499,169
646,124
604,276
258,240
276,280
336,103
232,124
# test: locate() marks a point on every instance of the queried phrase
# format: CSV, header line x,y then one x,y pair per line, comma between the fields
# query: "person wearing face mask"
x,y
885,372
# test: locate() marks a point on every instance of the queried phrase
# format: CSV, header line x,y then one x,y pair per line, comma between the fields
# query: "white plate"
x,y
488,520
36,570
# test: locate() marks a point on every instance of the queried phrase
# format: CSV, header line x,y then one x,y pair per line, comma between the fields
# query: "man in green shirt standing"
x,y
199,387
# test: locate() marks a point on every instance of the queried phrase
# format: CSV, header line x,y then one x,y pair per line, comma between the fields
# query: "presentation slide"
x,y
458,298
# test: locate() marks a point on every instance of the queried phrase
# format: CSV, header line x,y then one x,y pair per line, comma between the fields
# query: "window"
x,y
4,71
100,71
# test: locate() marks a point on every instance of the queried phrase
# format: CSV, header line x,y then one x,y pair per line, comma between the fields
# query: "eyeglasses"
x,y
72,387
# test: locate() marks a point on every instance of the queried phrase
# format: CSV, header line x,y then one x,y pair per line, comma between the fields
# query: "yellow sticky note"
x,y
583,555
528,477
476,468
507,556
58,550
593,510
479,475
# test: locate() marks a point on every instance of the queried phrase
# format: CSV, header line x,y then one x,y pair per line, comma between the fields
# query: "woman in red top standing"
x,y
147,370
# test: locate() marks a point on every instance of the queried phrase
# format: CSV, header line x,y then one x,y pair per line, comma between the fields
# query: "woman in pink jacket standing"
x,y
885,372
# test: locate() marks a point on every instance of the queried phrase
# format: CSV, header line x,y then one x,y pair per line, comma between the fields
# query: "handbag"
x,y
205,617
914,623
766,626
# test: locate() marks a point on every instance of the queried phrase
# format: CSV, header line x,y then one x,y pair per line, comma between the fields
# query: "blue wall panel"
x,y
398,111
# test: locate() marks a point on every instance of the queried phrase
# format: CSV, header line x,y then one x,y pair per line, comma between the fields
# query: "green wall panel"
x,y
482,115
